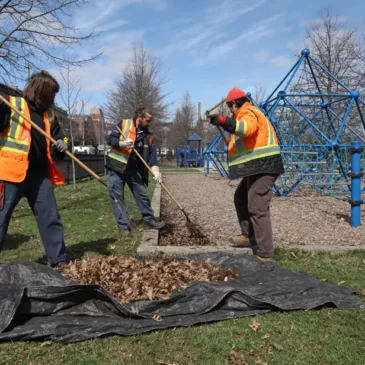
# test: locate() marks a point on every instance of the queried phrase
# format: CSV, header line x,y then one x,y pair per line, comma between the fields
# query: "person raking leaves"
x,y
27,167
253,155
126,168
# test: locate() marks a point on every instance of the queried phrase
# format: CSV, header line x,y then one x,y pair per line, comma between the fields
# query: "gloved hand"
x,y
157,174
61,146
217,120
127,143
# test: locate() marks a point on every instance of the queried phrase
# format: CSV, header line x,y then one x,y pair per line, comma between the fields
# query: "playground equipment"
x,y
315,128
318,120
189,156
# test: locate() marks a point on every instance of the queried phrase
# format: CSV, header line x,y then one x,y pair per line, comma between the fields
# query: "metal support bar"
x,y
355,184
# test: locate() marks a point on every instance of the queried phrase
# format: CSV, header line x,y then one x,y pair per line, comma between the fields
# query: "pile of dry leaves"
x,y
131,279
176,231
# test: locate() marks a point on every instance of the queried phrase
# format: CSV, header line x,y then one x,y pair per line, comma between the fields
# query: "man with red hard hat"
x,y
253,155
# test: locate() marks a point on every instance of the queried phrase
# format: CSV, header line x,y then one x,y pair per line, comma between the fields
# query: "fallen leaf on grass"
x,y
294,255
362,290
161,362
236,358
341,282
278,347
255,326
265,337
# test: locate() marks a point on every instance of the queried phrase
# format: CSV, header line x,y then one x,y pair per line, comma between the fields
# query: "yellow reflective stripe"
x,y
118,157
20,103
128,125
253,154
240,128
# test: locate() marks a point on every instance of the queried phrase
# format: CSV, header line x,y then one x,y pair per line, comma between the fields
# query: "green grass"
x,y
317,337
89,224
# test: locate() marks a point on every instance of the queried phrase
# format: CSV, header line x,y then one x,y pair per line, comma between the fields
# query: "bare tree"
x,y
260,94
334,43
185,119
29,29
70,92
140,85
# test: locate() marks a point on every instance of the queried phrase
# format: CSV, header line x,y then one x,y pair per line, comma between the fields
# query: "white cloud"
x,y
262,56
282,61
97,14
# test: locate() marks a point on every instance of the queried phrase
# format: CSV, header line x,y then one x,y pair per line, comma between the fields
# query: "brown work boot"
x,y
265,259
242,241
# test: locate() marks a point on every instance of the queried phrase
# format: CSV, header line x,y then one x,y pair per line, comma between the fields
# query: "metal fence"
x,y
94,162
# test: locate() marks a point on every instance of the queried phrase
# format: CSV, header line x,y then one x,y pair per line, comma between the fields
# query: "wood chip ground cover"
x,y
130,279
306,217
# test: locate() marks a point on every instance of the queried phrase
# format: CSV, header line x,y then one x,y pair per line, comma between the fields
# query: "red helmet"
x,y
235,94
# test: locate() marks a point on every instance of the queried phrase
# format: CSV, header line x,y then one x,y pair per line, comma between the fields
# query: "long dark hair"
x,y
41,89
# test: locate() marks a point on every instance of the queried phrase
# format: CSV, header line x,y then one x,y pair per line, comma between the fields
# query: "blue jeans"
x,y
38,190
134,180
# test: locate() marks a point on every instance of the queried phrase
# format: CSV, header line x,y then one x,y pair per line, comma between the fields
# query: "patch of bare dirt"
x,y
130,279
304,218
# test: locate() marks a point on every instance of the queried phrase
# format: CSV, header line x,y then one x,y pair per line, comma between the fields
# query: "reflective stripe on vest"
x,y
117,153
15,119
253,154
11,141
242,155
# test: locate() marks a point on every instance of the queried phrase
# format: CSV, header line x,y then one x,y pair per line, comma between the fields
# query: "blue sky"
x,y
204,46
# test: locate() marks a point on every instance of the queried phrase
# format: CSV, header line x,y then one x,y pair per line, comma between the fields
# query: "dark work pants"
x,y
252,201
138,188
38,190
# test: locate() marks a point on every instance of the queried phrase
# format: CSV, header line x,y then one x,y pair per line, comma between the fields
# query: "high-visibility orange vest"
x,y
130,132
253,138
15,143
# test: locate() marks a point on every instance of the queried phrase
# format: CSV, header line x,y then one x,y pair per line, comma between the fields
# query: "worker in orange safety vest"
x,y
253,155
27,167
126,168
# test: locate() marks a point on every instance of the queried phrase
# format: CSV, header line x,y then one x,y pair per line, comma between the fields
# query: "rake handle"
x,y
40,130
149,168
222,135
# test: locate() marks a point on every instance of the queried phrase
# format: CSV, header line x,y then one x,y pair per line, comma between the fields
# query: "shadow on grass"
x,y
98,247
15,240
78,251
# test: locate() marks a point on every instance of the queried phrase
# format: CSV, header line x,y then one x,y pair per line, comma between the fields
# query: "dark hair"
x,y
241,101
141,110
41,89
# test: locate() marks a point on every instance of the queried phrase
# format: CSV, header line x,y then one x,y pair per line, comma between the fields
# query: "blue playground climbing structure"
x,y
315,125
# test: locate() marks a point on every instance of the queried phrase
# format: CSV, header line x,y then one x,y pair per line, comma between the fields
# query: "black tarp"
x,y
37,303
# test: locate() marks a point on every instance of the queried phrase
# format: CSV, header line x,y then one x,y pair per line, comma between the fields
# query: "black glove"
x,y
213,119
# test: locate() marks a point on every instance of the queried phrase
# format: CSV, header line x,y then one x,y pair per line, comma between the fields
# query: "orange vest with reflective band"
x,y
15,143
130,132
253,138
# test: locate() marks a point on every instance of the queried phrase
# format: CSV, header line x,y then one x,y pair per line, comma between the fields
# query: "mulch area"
x,y
306,217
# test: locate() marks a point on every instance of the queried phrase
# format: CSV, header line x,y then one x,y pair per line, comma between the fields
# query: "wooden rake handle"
x,y
149,168
40,130
223,136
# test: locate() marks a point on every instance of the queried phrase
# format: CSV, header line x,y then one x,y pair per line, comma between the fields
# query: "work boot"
x,y
154,225
265,259
243,241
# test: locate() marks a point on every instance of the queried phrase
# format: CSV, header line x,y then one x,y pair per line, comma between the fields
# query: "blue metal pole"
x,y
356,184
